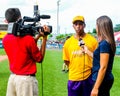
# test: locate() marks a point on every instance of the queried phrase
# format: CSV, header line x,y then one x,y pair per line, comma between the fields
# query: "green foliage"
x,y
117,28
94,31
62,36
50,35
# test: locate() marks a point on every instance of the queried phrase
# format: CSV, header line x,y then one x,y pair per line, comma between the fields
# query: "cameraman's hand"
x,y
42,34
46,29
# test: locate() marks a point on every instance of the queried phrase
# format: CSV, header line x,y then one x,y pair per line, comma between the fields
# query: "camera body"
x,y
19,28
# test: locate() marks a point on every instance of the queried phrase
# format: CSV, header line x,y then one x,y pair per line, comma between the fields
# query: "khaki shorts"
x,y
19,85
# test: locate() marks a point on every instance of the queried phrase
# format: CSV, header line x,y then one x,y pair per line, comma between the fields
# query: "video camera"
x,y
20,29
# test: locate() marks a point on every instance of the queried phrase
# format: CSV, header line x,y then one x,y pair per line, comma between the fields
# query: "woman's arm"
x,y
104,58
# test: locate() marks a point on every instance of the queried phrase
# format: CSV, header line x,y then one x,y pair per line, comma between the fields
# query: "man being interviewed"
x,y
78,61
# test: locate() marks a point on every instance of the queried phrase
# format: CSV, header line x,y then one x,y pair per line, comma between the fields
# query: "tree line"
x,y
63,36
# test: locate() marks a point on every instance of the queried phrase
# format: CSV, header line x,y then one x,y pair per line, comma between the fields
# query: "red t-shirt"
x,y
23,54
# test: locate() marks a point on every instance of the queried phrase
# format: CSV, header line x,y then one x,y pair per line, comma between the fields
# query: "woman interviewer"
x,y
103,58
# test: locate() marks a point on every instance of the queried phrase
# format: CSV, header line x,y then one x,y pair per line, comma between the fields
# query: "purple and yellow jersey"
x,y
80,63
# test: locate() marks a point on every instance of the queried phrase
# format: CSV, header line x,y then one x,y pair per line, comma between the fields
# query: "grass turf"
x,y
54,81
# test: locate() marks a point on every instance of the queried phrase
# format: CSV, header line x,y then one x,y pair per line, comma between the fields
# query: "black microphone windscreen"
x,y
81,42
28,19
45,16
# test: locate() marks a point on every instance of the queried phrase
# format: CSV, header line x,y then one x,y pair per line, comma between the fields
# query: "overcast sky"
x,y
90,9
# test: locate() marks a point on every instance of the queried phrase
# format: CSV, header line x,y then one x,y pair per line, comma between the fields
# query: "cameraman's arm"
x,y
43,45
46,29
37,37
44,39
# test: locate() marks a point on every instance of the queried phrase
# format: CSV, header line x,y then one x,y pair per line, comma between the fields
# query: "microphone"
x,y
81,43
37,18
45,16
29,19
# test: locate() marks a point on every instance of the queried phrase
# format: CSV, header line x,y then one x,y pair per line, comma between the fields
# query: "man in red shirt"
x,y
23,54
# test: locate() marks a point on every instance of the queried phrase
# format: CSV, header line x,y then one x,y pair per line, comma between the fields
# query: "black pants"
x,y
105,87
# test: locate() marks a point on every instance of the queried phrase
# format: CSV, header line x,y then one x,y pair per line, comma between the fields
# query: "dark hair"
x,y
12,14
105,31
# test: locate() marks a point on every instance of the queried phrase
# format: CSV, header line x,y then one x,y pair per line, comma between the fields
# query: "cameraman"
x,y
23,54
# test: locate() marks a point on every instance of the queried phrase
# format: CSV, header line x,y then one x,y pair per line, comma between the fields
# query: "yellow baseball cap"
x,y
78,18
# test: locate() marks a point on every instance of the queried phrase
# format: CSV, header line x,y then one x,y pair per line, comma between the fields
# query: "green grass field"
x,y
54,80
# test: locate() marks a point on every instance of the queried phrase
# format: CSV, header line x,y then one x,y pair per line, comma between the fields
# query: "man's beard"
x,y
80,32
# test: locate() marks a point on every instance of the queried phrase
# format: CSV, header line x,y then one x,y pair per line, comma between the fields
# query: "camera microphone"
x,y
45,16
29,19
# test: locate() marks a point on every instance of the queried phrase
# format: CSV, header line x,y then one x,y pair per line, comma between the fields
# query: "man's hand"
x,y
42,34
46,30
